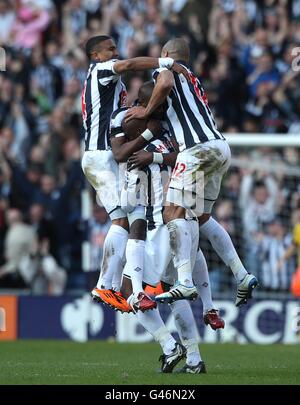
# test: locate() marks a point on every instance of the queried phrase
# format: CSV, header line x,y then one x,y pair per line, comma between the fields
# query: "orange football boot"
x,y
112,298
153,291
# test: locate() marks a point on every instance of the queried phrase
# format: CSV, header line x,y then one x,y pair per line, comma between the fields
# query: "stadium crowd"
x,y
243,52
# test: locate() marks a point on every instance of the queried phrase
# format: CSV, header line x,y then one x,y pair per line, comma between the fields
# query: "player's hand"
x,y
177,68
139,160
135,112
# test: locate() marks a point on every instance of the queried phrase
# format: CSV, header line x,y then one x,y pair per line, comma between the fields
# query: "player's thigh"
x,y
214,178
157,254
186,181
104,175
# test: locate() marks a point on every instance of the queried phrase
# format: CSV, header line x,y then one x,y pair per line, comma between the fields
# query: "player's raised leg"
x,y
222,244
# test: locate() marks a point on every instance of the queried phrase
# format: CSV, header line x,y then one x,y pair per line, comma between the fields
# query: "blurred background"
x,y
243,51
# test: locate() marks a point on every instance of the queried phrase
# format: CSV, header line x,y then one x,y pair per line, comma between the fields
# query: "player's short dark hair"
x,y
145,91
93,43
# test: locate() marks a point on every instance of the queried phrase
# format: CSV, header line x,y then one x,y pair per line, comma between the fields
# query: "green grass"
x,y
63,362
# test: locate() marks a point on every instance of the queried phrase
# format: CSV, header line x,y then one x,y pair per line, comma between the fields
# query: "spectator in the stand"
x,y
44,227
57,201
19,240
45,80
7,18
228,82
265,107
41,272
264,72
258,200
24,183
258,203
231,187
271,249
31,22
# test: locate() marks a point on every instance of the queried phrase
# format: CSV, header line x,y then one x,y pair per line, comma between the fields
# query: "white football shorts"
x,y
197,176
107,178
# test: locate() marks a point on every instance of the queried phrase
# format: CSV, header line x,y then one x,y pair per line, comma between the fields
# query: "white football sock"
x,y
187,330
201,279
222,244
135,251
181,246
117,278
113,252
193,356
152,322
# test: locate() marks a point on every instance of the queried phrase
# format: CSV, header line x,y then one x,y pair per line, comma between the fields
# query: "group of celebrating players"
x,y
157,169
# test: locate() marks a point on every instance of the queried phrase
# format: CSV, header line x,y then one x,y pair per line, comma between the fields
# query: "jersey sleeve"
x,y
117,117
296,235
106,73
157,72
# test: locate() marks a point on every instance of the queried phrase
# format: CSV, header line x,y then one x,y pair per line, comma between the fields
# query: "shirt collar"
x,y
182,62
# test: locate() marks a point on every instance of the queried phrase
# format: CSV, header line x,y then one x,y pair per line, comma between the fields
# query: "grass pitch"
x,y
64,362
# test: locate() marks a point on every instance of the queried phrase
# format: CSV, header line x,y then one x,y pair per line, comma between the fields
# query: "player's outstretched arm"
x,y
141,63
146,63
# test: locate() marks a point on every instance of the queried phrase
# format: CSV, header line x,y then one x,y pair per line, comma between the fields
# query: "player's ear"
x,y
93,55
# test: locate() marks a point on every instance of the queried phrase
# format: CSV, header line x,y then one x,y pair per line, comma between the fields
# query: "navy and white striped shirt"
x,y
158,179
158,175
103,93
189,117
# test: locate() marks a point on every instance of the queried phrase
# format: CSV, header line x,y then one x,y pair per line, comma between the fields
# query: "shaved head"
x,y
177,48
